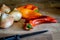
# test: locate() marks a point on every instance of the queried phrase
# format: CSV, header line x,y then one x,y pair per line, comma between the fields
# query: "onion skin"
x,y
7,22
16,15
5,8
0,13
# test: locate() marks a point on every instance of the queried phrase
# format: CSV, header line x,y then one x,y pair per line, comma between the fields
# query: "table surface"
x,y
17,28
53,30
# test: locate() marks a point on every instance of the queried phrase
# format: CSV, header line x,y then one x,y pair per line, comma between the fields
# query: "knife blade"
x,y
34,33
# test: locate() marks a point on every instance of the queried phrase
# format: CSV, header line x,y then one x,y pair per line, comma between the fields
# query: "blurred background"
x,y
47,7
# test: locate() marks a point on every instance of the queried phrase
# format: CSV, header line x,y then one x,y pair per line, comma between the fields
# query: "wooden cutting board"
x,y
16,28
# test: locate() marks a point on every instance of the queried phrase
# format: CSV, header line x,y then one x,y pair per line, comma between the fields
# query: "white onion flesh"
x,y
4,16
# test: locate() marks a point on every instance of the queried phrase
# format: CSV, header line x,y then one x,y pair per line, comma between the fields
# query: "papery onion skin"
x,y
0,13
5,8
7,22
16,14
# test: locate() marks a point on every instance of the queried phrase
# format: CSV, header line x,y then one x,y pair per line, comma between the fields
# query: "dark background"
x,y
47,7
